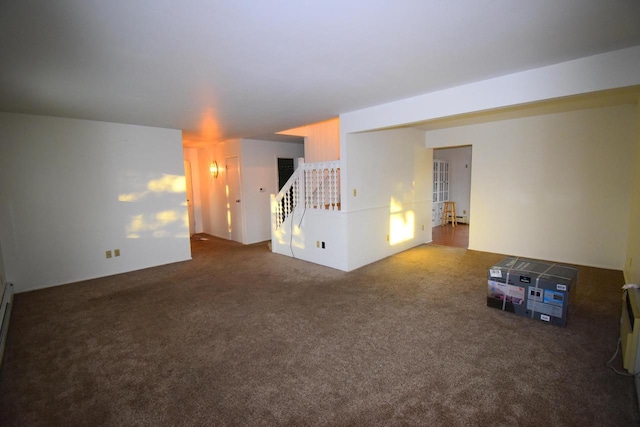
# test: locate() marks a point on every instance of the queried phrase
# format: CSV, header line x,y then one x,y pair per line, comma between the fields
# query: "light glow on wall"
x,y
167,195
401,223
154,224
168,184
165,184
295,239
132,197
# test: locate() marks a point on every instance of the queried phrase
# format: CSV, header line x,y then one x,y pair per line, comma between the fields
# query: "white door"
x,y
234,207
187,176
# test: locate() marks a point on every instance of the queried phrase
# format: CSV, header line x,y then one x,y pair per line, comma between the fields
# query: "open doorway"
x,y
285,170
451,183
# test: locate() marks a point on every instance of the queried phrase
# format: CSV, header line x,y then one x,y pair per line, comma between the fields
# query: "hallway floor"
x,y
448,235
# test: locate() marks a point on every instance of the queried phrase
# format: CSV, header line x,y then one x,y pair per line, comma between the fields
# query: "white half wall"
x,y
554,187
388,188
72,189
318,236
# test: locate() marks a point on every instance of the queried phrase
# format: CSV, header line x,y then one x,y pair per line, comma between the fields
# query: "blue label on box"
x,y
553,297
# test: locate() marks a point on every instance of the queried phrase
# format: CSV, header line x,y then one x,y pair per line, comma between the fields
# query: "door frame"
x,y
189,190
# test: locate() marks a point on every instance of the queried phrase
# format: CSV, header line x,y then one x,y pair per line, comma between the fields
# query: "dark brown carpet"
x,y
240,336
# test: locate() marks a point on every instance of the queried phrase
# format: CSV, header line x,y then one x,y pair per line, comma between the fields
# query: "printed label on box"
x,y
553,297
497,290
514,294
561,287
495,272
535,294
545,317
548,309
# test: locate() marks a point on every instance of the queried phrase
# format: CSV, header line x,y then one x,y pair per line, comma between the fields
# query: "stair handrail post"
x,y
274,220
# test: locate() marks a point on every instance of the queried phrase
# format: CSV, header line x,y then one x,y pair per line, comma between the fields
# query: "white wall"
x,y
311,228
72,189
601,72
390,174
632,260
459,159
553,187
322,141
258,169
213,191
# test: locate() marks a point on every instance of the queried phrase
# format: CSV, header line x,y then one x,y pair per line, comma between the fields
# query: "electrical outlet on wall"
x,y
108,254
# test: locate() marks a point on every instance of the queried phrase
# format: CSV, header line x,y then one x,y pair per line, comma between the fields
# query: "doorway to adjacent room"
x,y
451,183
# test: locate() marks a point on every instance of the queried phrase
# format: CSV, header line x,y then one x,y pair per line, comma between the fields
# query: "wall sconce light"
x,y
213,168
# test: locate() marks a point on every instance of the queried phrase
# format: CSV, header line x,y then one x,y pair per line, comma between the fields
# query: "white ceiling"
x,y
220,69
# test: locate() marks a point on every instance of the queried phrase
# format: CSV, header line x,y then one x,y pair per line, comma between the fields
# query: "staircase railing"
x,y
312,185
322,185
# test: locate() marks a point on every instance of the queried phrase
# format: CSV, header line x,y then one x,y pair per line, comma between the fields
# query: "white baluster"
x,y
278,212
314,173
335,190
308,187
296,189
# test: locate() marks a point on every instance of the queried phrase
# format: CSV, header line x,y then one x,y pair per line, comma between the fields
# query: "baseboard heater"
x,y
5,315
